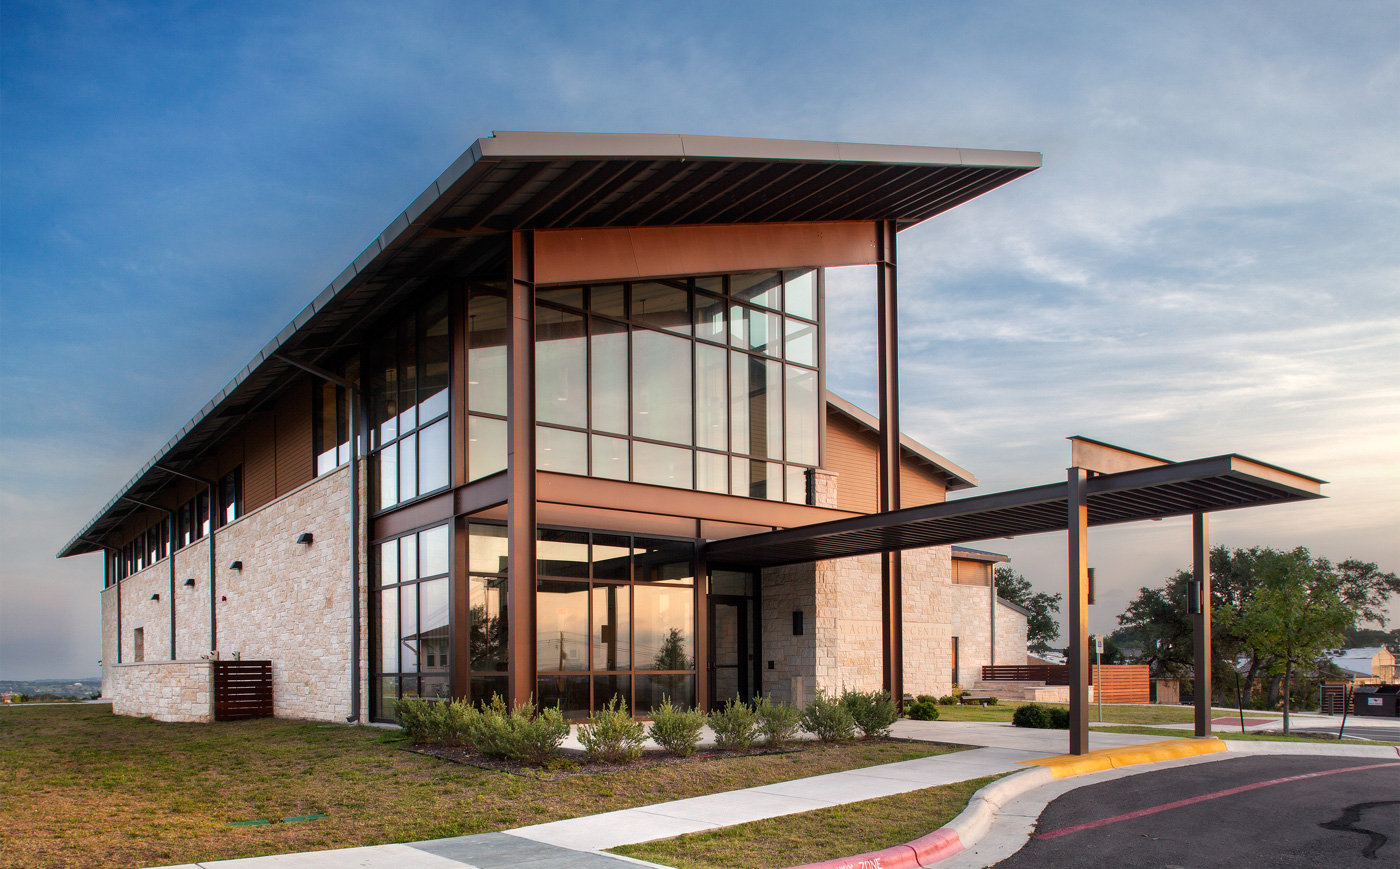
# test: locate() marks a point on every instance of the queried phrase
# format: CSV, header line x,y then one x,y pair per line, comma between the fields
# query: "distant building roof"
x,y
1360,660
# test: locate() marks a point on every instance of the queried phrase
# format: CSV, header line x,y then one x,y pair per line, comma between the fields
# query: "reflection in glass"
x,y
711,397
610,458
432,627
388,695
408,558
796,484
435,351
569,693
609,376
388,630
800,294
436,688
561,366
388,476
486,353
387,559
608,299
408,375
712,472
661,405
661,466
561,451
486,548
571,296
801,342
408,628
755,409
709,318
612,557
760,288
562,618
739,480
611,628
433,463
605,688
662,304
659,560
803,415
485,687
737,582
432,551
760,331
486,446
408,467
664,627
487,641
562,553
653,689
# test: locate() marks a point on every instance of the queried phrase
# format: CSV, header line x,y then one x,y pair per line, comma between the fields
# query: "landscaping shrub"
x,y
676,730
519,734
926,698
456,722
777,721
827,720
415,716
873,711
1059,717
612,735
991,701
947,700
1031,715
735,725
924,710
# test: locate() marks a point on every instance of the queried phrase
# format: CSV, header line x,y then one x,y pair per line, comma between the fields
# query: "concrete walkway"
x,y
578,842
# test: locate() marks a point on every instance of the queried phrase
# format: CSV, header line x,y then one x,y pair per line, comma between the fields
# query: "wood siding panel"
x,y
295,465
853,454
259,462
971,573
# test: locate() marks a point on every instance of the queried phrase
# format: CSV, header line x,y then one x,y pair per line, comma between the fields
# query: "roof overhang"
x,y
954,477
1172,489
460,227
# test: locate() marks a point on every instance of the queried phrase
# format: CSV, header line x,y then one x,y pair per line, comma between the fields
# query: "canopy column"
x,y
520,467
1200,582
1078,528
887,348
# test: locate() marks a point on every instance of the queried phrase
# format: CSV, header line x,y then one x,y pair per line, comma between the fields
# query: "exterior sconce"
x,y
304,537
235,565
155,597
190,581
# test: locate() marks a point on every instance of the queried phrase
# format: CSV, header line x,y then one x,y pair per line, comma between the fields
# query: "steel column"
x,y
1200,557
887,350
1078,527
520,466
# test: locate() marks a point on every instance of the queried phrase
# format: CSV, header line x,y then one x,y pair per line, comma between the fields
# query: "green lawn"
x,y
1125,713
824,834
80,787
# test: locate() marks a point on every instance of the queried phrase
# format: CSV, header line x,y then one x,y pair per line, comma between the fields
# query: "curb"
x,y
975,820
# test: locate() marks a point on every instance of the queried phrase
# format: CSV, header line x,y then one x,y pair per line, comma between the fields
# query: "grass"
x,y
1125,713
824,834
81,787
1226,733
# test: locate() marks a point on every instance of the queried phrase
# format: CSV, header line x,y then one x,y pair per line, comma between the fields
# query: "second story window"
x,y
409,373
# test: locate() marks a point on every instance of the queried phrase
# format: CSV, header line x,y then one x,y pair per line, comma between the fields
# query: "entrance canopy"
x,y
1155,492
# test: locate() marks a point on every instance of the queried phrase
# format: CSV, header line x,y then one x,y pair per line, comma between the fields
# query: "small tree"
x,y
1297,613
1041,627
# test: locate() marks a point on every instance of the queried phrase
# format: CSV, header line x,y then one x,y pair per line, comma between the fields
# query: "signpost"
x,y
1098,673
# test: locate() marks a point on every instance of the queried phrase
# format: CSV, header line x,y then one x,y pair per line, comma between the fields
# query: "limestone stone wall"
x,y
972,626
1011,636
163,690
928,620
290,604
787,590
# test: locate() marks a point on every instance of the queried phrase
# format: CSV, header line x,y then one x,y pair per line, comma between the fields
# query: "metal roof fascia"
x,y
967,479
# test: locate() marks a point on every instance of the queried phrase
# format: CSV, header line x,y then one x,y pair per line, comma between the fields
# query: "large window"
x,y
408,401
409,643
706,383
190,523
615,615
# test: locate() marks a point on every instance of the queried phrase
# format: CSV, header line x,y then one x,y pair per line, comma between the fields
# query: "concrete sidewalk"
x,y
577,842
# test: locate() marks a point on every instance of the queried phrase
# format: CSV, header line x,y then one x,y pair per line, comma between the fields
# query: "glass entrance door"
x,y
730,632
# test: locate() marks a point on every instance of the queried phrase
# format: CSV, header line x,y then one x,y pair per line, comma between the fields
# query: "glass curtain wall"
x,y
409,374
615,616
409,627
706,383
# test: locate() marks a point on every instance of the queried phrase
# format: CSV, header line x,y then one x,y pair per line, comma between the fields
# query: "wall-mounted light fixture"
x,y
155,597
304,537
190,581
235,565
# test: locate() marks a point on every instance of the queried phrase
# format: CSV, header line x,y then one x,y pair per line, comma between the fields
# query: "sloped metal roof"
x,y
1204,485
513,180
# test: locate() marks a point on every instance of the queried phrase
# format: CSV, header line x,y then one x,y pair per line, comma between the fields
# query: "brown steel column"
x,y
887,349
520,466
1078,527
1200,556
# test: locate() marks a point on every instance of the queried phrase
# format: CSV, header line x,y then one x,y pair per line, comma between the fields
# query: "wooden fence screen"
x,y
242,689
1122,683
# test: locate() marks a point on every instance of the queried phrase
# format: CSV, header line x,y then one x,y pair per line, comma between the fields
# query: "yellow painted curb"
x,y
1064,765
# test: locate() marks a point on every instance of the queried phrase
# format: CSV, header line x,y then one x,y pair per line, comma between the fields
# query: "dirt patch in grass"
x,y
81,787
808,837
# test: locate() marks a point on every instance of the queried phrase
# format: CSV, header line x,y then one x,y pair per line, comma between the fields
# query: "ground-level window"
x,y
409,641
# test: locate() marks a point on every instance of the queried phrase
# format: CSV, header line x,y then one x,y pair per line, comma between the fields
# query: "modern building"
x,y
489,456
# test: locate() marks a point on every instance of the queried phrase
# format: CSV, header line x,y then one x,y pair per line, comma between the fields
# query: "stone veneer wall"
x,y
289,604
163,690
972,627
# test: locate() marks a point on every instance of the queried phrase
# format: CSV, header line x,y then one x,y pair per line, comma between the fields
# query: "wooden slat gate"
x,y
1334,699
242,689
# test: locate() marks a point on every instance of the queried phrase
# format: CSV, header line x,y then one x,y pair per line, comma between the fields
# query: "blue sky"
x,y
1207,262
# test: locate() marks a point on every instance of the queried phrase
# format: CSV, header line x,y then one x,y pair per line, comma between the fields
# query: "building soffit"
x,y
459,225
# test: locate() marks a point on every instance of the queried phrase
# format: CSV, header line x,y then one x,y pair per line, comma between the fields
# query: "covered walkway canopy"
x,y
1105,485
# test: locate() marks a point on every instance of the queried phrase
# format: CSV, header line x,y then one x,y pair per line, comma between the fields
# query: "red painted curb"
x,y
898,857
938,845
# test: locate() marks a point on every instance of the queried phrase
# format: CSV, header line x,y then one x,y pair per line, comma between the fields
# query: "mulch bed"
x,y
573,762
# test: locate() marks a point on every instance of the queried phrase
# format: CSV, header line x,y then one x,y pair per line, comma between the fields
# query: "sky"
x,y
1207,262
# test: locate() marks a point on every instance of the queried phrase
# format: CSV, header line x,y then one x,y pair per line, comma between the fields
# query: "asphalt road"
x,y
1232,813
